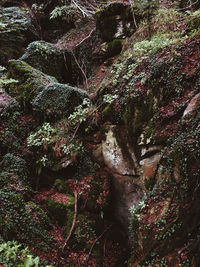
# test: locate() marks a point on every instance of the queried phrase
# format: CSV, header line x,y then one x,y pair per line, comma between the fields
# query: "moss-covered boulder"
x,y
16,221
115,20
14,164
49,59
58,100
21,220
59,206
16,30
29,81
14,127
14,174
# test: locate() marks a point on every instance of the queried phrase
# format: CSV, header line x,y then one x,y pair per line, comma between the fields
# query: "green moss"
x,y
59,206
61,186
18,222
30,81
15,165
149,183
115,47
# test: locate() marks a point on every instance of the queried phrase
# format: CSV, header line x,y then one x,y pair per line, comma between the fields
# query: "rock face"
x,y
149,168
16,30
193,106
127,192
113,156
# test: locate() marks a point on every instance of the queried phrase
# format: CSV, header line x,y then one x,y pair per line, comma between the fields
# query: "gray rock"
x,y
149,166
16,31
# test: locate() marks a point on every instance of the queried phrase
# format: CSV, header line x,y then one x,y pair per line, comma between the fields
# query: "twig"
x,y
75,132
95,241
85,37
134,19
74,220
80,8
85,77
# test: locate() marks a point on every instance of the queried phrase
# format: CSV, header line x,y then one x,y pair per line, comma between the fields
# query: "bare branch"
x,y
83,72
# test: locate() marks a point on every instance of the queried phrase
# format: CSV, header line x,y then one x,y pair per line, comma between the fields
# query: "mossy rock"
x,y
16,221
14,164
14,174
61,186
30,81
115,47
38,214
47,58
58,100
16,30
59,205
114,20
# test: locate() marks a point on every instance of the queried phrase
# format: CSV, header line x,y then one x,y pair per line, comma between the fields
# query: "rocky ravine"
x,y
99,140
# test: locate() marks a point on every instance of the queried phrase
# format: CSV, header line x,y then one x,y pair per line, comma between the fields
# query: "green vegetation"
x,y
13,254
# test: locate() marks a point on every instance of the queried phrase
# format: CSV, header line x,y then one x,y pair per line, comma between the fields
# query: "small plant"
x,y
13,254
166,20
81,113
157,42
2,68
65,12
5,81
52,144
109,98
43,136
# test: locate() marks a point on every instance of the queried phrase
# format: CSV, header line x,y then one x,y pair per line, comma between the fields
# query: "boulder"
x,y
58,100
30,81
115,20
81,42
14,174
49,59
16,30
